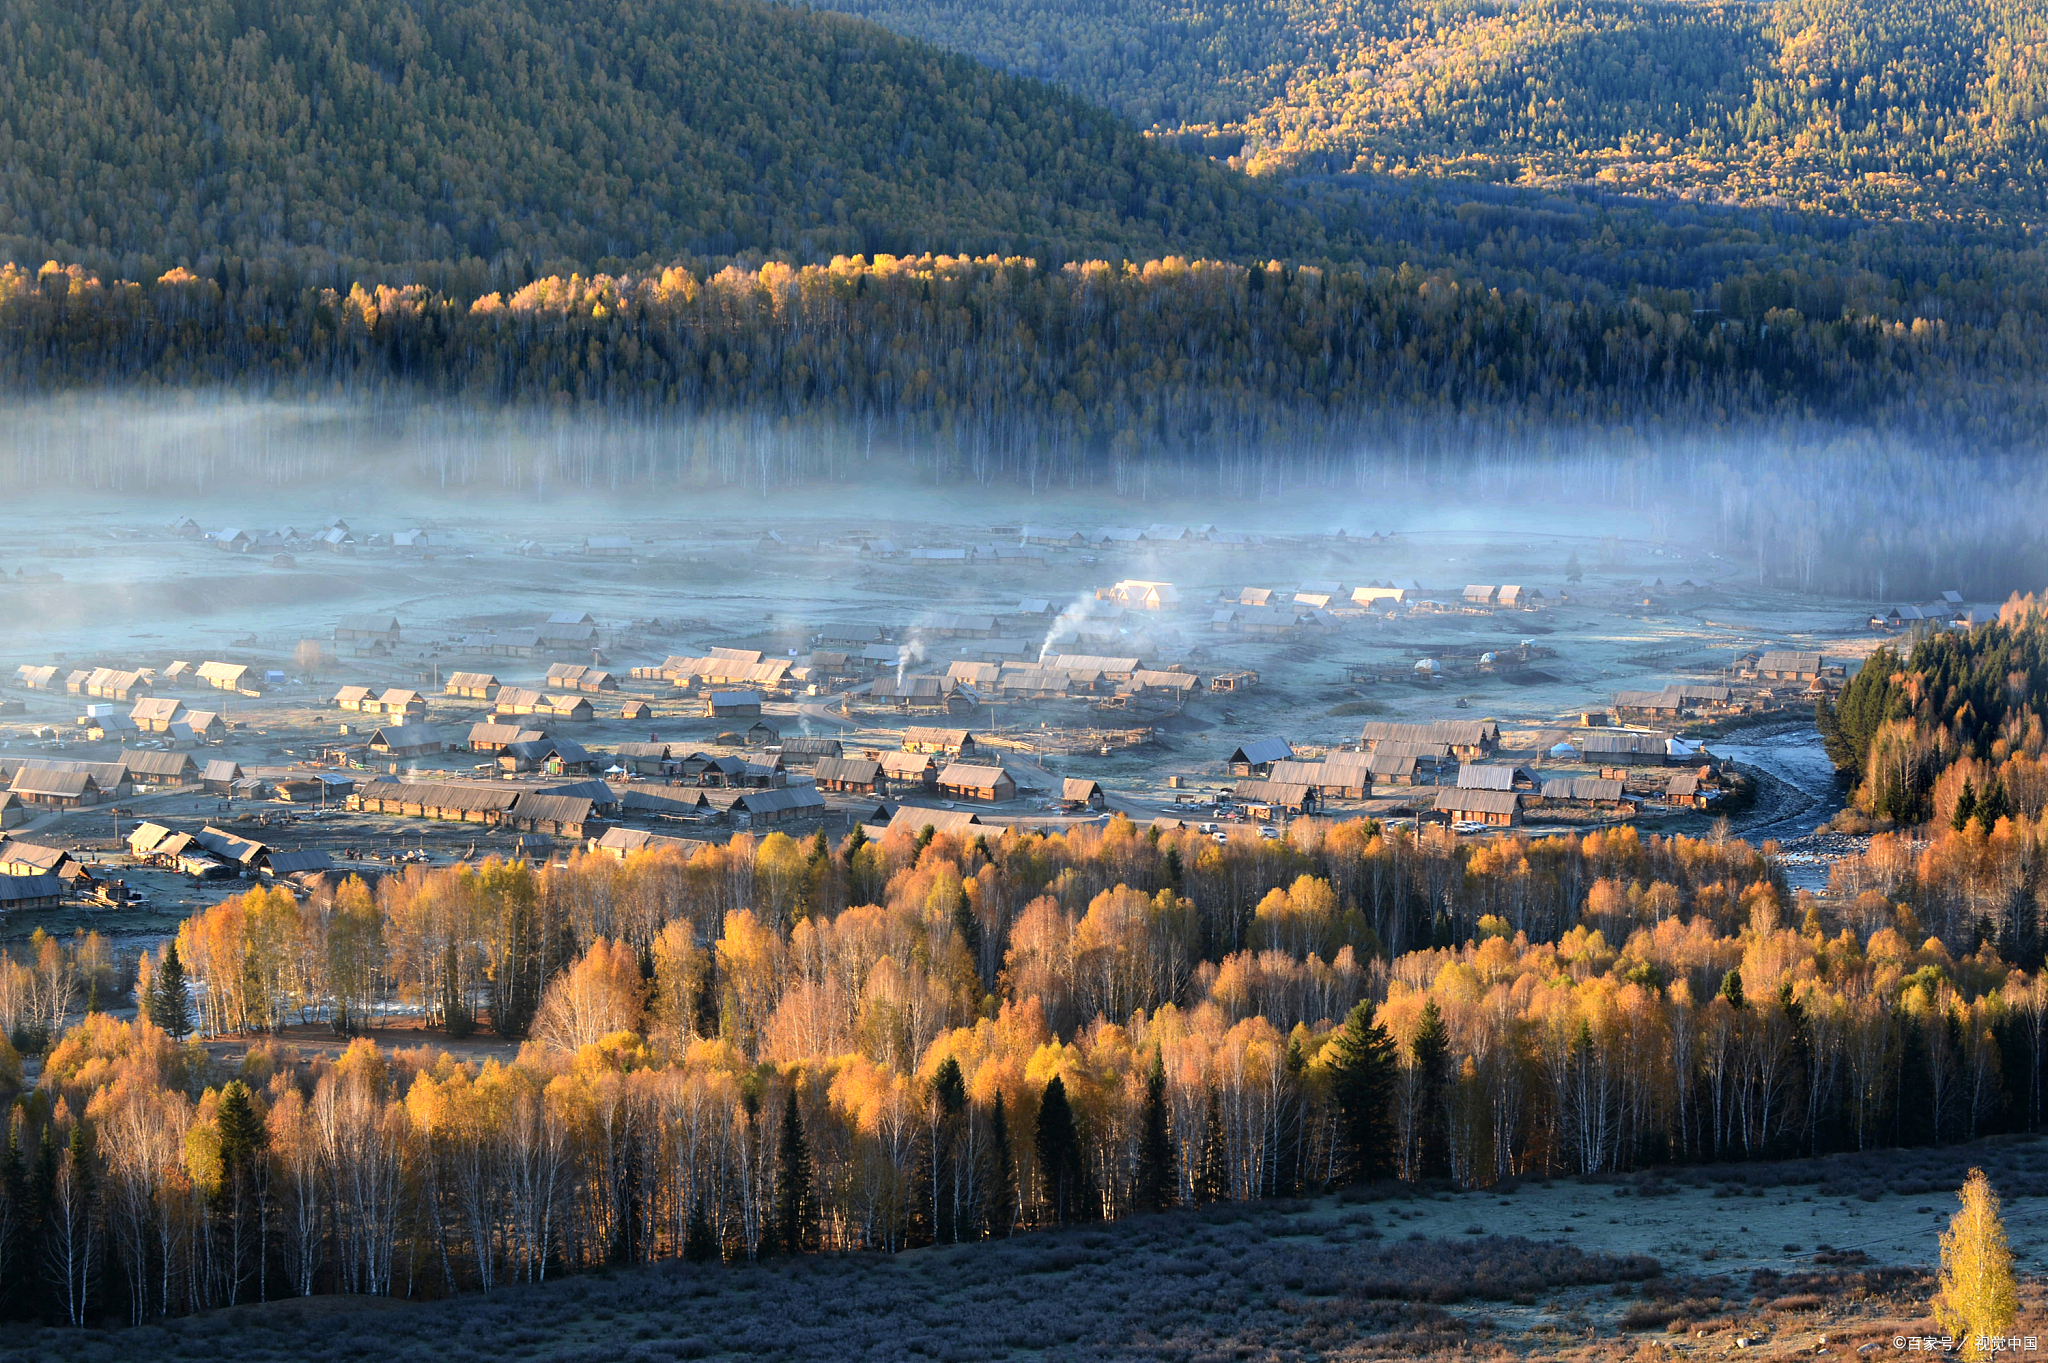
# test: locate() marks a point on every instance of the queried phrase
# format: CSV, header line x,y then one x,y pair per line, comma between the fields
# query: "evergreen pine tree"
x,y
1731,987
14,1238
1912,1123
169,1009
968,927
1155,1185
455,1014
2019,939
242,1134
42,1183
81,1147
795,1218
1966,805
1362,1081
1993,807
1431,1052
949,1095
817,875
1832,740
700,1245
705,1016
1212,1179
949,1087
1287,1160
79,1268
1002,1194
1062,1164
1573,573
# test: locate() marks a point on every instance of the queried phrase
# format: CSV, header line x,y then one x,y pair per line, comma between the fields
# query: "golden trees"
x,y
600,994
623,1132
1978,1297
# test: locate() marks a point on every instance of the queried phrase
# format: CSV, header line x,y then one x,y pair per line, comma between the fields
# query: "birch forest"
x,y
773,1048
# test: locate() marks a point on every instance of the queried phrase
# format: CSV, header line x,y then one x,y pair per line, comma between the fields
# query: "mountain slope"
x,y
509,130
1928,107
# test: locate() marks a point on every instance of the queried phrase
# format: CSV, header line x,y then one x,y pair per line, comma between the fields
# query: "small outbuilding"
x,y
732,704
1257,758
862,775
1498,807
407,740
471,685
1078,793
972,781
951,742
909,770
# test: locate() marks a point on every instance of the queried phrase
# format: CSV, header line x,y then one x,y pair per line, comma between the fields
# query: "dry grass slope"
x,y
1280,1281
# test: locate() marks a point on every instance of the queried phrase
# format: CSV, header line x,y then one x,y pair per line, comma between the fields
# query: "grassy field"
x,y
1771,1260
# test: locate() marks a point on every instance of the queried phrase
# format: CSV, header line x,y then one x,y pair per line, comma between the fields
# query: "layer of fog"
x,y
1800,508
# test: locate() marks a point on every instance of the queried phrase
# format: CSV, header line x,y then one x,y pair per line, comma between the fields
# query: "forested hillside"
x,y
1925,107
1165,64
536,136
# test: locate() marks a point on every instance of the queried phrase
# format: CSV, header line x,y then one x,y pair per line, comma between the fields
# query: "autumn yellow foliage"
x,y
1978,1297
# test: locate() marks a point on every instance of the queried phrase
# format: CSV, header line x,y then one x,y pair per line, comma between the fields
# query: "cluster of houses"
x,y
1111,537
935,761
214,853
334,536
732,668
733,683
1030,543
571,809
1453,756
514,709
1799,667
1320,604
34,876
696,787
1187,536
1497,793
1274,783
1497,597
1058,675
1675,701
141,683
1769,678
72,783
1949,612
39,876
374,634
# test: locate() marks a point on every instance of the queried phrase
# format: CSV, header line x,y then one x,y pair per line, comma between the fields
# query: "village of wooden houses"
x,y
1234,683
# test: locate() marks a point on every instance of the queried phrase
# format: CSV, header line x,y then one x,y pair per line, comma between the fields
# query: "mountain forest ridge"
x,y
1924,108
329,130
343,137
